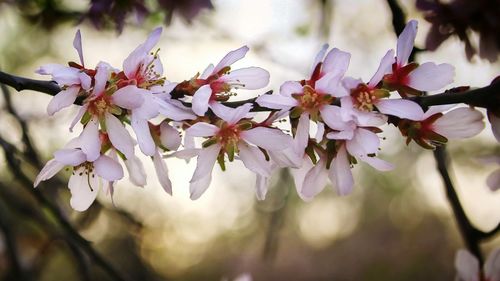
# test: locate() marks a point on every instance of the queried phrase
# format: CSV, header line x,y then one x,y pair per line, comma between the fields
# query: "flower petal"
x,y
383,68
78,117
314,181
301,139
162,172
51,168
467,266
236,114
144,138
202,129
197,188
231,58
401,108
261,187
136,172
289,88
206,161
83,190
200,100
463,122
250,78
90,142
492,266
63,99
267,138
336,62
100,78
254,159
207,72
169,136
70,157
319,56
431,77
405,42
119,136
276,101
129,97
364,142
340,173
108,168
174,110
77,44
377,163
299,175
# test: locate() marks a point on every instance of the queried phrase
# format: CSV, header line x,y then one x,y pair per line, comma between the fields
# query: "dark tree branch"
x,y
21,83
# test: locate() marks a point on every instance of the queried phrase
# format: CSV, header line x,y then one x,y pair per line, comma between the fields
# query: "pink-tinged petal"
x,y
299,175
152,39
85,80
206,161
108,169
463,122
467,266
83,189
320,132
144,138
207,72
133,62
169,136
492,266
119,136
200,100
236,114
149,109
50,68
314,181
437,109
405,42
162,172
383,68
369,119
495,125
77,44
377,163
175,110
364,142
67,76
136,172
328,84
261,187
222,111
202,129
185,154
254,159
129,97
340,173
100,78
351,83
63,99
319,56
336,62
250,78
342,135
78,117
90,142
431,77
401,108
302,134
163,91
51,168
267,138
276,101
331,115
289,88
493,181
286,158
231,58
197,188
70,157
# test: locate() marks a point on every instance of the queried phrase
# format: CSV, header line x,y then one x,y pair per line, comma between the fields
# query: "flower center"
x,y
364,97
311,100
228,135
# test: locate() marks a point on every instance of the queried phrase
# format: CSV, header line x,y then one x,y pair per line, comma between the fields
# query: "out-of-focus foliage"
x,y
460,18
105,13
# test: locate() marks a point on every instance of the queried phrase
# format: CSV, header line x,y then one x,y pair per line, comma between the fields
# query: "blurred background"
x,y
396,225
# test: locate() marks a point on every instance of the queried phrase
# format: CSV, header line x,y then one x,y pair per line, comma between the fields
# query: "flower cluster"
x,y
335,120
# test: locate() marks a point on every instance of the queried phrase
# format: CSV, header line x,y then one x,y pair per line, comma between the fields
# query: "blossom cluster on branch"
x,y
336,121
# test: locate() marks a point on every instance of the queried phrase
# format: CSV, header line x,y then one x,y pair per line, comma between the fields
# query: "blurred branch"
x,y
481,97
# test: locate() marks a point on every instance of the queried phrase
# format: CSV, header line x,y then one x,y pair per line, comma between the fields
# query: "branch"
x,y
21,83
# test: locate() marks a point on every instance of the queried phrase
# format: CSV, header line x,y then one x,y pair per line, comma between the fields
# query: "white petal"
x,y
299,175
197,188
100,78
251,78
351,83
462,122
231,58
175,110
331,115
319,56
77,44
467,266
383,68
185,154
169,136
63,99
320,132
129,97
152,39
78,117
336,62
261,186
207,72
437,109
431,77
364,142
144,138
267,138
377,163
119,136
340,173
302,134
342,135
162,172
82,195
70,157
492,266
328,84
401,108
108,168
202,129
405,42
206,161
314,181
236,114
136,171
276,101
89,140
85,80
254,159
51,168
286,158
291,87
200,100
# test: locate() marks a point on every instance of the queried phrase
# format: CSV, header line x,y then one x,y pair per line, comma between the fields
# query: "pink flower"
x,y
89,172
234,135
215,83
436,127
468,269
412,78
72,79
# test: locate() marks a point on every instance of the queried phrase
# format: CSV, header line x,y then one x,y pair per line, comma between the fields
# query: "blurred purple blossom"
x,y
188,9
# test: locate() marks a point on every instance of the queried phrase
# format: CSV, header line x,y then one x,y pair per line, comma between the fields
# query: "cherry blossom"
x,y
468,269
